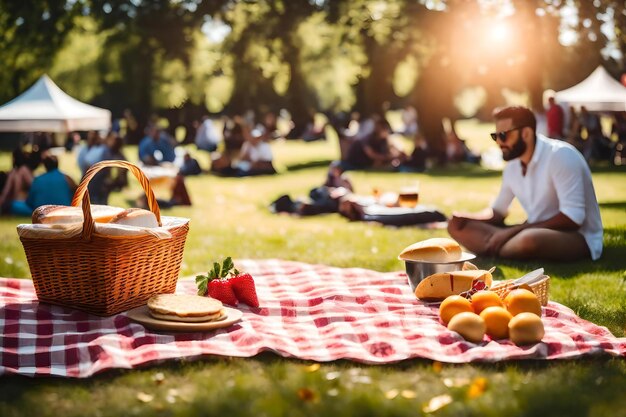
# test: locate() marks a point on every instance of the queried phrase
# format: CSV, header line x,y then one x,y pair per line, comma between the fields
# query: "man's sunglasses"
x,y
503,135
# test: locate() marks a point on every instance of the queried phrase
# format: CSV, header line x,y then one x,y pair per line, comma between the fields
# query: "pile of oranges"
x,y
517,317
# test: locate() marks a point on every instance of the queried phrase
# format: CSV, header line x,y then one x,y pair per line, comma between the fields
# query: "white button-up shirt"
x,y
557,180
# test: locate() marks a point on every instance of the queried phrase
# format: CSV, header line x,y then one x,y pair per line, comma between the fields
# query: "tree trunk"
x,y
434,102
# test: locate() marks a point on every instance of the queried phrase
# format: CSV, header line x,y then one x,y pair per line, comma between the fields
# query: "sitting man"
x,y
255,158
375,150
53,187
552,182
156,147
206,136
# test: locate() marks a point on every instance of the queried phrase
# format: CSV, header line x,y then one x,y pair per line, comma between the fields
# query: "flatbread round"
x,y
185,307
191,319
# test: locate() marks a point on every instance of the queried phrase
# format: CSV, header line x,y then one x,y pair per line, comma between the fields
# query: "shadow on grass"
x,y
466,170
311,164
463,170
615,205
608,169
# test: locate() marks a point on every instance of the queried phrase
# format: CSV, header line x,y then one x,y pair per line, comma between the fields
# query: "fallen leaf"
x,y
144,398
391,394
307,395
455,382
437,367
407,393
158,378
333,375
312,368
477,388
437,403
362,379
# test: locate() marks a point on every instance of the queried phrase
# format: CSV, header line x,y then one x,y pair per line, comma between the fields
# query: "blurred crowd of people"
x,y
583,129
243,148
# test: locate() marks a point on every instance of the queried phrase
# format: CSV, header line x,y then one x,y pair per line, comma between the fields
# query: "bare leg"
x,y
552,245
472,234
23,181
8,192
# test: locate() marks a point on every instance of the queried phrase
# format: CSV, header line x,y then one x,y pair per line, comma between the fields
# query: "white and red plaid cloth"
x,y
312,312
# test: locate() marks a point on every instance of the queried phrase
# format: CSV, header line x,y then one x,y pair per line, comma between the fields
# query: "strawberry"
x,y
222,290
216,285
245,290
238,287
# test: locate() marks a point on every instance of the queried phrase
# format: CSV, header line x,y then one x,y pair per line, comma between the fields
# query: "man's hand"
x,y
487,215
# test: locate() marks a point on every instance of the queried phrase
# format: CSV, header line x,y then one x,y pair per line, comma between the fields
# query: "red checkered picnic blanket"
x,y
311,312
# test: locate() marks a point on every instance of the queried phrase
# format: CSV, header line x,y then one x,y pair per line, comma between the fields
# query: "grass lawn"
x,y
230,217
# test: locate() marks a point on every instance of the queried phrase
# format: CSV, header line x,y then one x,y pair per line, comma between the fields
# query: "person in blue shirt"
x,y
156,148
53,187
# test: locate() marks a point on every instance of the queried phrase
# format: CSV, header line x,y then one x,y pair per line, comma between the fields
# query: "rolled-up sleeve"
x,y
504,199
568,183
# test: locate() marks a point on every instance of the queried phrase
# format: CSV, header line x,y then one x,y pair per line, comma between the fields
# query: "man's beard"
x,y
516,151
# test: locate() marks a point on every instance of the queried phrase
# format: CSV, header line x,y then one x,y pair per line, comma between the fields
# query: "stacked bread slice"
x,y
185,308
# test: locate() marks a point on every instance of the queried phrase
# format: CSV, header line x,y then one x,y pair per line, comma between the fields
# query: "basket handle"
x,y
81,194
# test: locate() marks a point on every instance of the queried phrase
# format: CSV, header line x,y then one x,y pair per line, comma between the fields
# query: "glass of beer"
x,y
408,196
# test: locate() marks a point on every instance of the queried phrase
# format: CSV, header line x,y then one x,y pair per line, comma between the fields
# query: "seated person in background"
x,y
190,166
409,119
72,140
456,148
619,130
597,147
156,147
19,179
418,158
206,136
91,152
270,126
255,158
323,199
574,129
553,184
236,133
313,131
109,179
179,197
53,187
374,151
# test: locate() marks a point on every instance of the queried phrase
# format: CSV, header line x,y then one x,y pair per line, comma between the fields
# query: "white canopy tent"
x,y
598,92
44,107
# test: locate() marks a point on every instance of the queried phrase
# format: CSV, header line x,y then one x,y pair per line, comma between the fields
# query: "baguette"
x,y
54,214
439,249
441,285
135,217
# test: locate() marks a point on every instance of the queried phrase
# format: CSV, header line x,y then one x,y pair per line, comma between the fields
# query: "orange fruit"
x,y
452,306
483,299
522,301
469,325
497,322
525,329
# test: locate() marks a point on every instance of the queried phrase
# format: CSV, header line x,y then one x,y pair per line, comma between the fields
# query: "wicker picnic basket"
x,y
541,288
103,274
